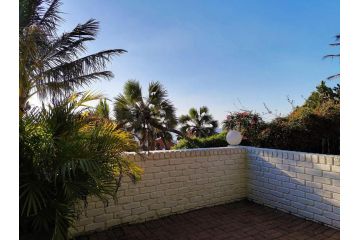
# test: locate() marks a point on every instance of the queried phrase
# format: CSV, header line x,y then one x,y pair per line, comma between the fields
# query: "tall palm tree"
x,y
335,44
51,64
146,117
198,123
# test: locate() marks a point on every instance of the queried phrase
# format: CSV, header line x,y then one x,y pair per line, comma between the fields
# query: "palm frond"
x,y
333,77
132,91
331,56
50,18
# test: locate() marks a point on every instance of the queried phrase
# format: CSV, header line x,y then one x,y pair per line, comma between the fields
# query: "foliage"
x,y
52,65
305,129
147,117
198,123
312,127
216,140
248,123
65,157
103,109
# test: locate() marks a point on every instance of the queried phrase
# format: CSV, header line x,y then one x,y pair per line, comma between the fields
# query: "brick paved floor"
x,y
241,220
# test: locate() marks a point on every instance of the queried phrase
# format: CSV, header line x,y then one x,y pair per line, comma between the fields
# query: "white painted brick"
x,y
291,197
94,212
304,176
297,181
336,169
305,164
336,196
323,193
323,167
322,159
141,197
282,178
313,184
289,185
305,201
95,226
274,182
336,182
331,215
314,172
283,189
322,219
322,180
332,175
297,193
313,197
332,201
296,169
331,188
289,162
177,181
314,210
336,161
323,206
304,188
282,166
131,205
306,214
103,218
336,210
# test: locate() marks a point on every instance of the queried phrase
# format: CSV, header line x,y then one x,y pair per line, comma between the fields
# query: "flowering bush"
x,y
248,123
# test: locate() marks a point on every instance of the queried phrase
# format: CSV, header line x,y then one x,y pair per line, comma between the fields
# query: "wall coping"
x,y
265,152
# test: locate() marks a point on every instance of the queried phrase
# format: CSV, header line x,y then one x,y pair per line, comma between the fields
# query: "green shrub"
x,y
65,157
217,140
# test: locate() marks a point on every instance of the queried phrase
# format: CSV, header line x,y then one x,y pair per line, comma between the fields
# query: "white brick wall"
x,y
177,181
173,182
312,191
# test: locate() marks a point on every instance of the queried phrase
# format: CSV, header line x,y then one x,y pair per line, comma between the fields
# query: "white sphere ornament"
x,y
233,137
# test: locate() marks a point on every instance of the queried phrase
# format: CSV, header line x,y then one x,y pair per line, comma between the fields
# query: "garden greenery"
x,y
312,127
66,153
64,158
216,140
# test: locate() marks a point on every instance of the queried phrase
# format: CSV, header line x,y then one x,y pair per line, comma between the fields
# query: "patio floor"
x,y
240,220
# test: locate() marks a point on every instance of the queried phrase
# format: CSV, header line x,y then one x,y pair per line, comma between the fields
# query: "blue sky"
x,y
216,53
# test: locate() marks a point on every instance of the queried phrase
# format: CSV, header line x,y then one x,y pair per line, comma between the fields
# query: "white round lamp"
x,y
233,137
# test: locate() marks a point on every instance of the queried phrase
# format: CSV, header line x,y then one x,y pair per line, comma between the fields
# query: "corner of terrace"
x,y
222,193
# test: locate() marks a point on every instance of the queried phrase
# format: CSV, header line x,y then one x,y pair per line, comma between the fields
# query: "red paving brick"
x,y
243,220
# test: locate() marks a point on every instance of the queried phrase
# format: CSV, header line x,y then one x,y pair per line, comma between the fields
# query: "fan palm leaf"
x,y
198,123
147,117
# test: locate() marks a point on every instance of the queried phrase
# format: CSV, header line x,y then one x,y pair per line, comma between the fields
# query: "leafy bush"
x,y
217,140
312,127
248,123
65,157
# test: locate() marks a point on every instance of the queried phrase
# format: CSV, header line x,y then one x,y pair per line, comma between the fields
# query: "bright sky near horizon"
x,y
216,53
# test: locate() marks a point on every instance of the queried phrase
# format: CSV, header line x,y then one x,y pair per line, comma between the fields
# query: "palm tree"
x,y
198,123
103,109
64,158
53,65
147,117
335,44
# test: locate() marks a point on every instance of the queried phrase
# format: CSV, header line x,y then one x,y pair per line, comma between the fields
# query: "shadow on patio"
x,y
240,220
